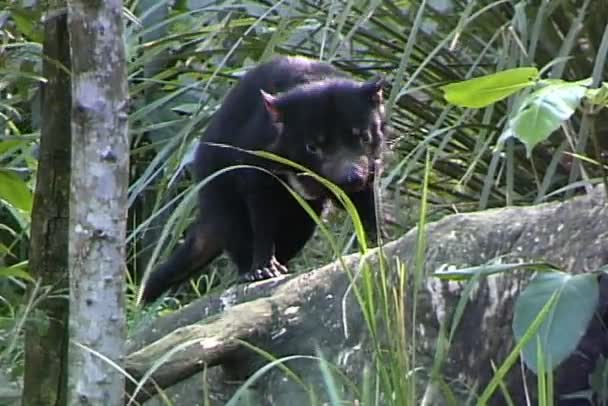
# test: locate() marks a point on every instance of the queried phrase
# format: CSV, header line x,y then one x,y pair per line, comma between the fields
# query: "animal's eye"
x,y
313,149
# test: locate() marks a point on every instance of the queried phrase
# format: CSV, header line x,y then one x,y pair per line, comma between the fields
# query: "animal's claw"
x,y
273,269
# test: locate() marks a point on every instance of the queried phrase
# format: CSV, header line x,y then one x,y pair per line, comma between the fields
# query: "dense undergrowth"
x,y
440,158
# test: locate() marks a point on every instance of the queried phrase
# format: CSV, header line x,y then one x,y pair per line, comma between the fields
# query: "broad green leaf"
x,y
14,190
8,145
27,22
567,321
485,90
543,111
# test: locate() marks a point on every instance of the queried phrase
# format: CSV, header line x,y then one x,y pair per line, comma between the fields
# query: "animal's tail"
x,y
199,249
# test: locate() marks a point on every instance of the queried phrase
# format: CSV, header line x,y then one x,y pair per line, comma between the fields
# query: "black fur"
x,y
302,110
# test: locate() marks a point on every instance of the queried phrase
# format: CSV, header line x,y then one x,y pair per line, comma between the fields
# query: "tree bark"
x,y
46,347
98,203
192,347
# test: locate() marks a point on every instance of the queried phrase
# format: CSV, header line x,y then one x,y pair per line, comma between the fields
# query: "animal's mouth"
x,y
311,189
306,186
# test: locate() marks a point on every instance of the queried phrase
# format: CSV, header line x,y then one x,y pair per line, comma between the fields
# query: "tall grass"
x,y
183,60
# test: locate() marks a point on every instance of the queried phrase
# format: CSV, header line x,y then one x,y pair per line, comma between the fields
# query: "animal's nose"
x,y
354,177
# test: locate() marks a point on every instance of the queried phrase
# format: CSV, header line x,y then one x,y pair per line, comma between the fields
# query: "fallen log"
x,y
297,314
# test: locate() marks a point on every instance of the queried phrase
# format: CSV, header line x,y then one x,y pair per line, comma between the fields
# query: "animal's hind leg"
x,y
233,230
239,245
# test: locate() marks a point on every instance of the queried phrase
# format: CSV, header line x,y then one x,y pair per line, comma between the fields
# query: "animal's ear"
x,y
372,89
270,102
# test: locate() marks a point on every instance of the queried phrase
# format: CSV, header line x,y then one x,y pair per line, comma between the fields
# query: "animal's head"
x,y
334,128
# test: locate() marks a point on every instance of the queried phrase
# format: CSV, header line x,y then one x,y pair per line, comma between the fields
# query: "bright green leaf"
x,y
567,321
543,111
27,22
598,96
8,145
15,273
485,90
14,190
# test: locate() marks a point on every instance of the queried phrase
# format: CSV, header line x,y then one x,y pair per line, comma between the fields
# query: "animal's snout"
x,y
348,171
354,177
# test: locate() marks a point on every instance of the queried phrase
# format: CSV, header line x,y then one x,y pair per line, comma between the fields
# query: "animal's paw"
x,y
273,269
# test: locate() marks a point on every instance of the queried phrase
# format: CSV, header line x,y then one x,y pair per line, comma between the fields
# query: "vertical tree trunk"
x,y
46,346
98,204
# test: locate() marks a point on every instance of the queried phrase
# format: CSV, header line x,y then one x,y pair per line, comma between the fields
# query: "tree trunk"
x,y
46,347
98,203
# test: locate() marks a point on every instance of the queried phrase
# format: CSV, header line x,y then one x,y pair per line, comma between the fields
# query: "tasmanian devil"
x,y
297,108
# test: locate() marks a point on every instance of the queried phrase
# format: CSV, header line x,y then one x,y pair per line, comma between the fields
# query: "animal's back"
x,y
243,103
242,120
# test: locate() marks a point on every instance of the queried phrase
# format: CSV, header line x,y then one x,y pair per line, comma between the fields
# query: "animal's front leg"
x,y
271,269
364,202
264,225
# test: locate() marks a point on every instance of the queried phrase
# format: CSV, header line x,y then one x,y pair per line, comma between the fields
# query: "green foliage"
x,y
598,96
15,191
599,380
27,22
575,299
184,56
16,271
512,358
489,89
544,111
550,317
489,269
539,114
